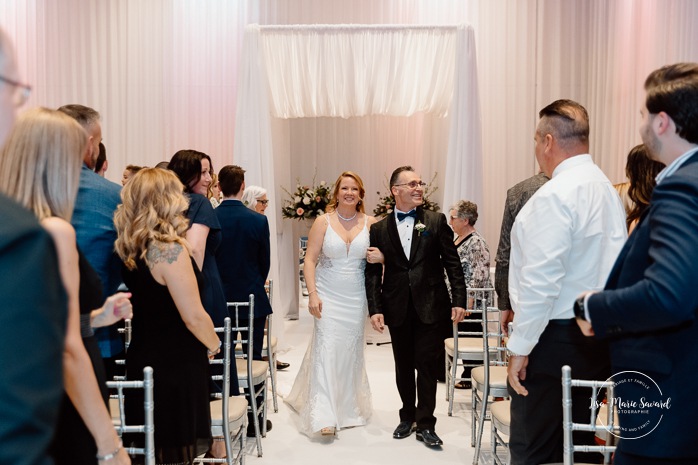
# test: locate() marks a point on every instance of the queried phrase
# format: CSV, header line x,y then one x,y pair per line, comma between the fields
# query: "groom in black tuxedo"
x,y
410,296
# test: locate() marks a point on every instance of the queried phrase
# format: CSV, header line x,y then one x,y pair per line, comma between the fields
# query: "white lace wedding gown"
x,y
331,388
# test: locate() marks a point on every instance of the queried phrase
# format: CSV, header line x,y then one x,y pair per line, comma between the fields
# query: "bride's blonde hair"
x,y
152,209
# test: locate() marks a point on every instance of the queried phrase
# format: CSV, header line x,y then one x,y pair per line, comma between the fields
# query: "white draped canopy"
x,y
348,71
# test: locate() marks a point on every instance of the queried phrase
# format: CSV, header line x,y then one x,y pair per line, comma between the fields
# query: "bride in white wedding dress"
x,y
331,390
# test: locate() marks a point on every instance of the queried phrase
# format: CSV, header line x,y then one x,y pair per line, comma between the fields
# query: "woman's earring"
x,y
360,202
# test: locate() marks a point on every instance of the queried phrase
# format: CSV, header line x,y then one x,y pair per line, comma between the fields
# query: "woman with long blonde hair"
x,y
40,169
171,330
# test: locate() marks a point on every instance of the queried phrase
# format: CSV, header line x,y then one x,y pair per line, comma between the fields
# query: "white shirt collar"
x,y
572,162
675,165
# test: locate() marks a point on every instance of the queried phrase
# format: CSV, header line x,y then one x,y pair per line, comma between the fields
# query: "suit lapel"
x,y
416,236
395,236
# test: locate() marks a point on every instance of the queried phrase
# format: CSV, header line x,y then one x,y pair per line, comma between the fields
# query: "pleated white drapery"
x,y
353,71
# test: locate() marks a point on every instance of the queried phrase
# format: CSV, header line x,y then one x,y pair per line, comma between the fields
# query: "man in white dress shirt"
x,y
564,241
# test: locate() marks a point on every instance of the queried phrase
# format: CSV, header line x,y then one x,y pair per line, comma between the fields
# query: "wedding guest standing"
x,y
172,333
642,172
649,306
244,258
564,240
94,225
409,294
34,308
475,260
331,391
255,198
517,196
40,166
194,170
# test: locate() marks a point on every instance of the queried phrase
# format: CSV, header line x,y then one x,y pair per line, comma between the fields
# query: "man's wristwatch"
x,y
579,308
512,354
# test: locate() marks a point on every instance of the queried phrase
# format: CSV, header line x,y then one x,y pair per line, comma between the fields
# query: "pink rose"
x,y
318,198
300,211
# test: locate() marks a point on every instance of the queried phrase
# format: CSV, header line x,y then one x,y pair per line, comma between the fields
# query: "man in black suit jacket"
x,y
411,297
649,308
33,314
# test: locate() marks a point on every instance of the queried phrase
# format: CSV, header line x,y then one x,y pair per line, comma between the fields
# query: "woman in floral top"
x,y
475,259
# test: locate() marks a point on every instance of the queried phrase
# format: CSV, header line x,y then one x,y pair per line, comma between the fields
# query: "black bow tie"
x,y
402,216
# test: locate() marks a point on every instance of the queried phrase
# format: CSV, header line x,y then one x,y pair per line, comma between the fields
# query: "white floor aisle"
x,y
371,444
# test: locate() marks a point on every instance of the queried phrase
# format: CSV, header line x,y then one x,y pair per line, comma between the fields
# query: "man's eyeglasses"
x,y
22,91
263,202
412,184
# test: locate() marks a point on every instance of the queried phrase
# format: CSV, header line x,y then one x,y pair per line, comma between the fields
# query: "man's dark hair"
x,y
673,89
186,164
86,116
101,158
396,174
567,121
230,180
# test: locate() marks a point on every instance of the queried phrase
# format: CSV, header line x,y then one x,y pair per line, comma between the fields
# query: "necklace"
x,y
346,219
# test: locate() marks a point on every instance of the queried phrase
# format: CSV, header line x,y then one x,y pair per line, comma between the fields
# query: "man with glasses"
x,y
33,314
409,294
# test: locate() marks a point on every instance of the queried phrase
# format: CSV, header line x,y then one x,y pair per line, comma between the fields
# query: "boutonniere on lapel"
x,y
420,228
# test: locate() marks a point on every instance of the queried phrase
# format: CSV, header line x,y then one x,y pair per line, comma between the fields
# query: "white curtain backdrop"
x,y
164,75
352,71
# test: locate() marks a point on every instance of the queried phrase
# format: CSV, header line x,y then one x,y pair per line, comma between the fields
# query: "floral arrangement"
x,y
386,203
307,202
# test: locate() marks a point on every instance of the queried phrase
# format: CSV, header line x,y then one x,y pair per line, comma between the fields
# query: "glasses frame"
x,y
22,93
417,184
263,202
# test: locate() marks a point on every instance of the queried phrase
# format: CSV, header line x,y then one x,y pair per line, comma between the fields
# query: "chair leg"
x,y
446,371
473,416
481,423
255,420
264,409
272,370
452,385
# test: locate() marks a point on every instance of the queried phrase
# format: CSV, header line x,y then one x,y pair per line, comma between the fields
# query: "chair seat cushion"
x,y
468,346
498,376
501,415
259,370
237,412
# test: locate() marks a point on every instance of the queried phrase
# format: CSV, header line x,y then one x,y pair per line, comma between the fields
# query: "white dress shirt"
x,y
404,229
564,241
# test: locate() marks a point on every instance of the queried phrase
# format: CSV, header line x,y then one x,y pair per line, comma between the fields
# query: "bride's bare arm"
x,y
79,376
316,236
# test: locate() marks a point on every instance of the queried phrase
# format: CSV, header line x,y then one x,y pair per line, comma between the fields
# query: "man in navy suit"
x,y
649,306
243,257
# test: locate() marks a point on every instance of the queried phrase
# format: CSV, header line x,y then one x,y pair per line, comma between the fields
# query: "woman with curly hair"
x,y
171,330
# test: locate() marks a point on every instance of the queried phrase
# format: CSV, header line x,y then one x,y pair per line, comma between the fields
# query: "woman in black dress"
x,y
194,170
171,330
